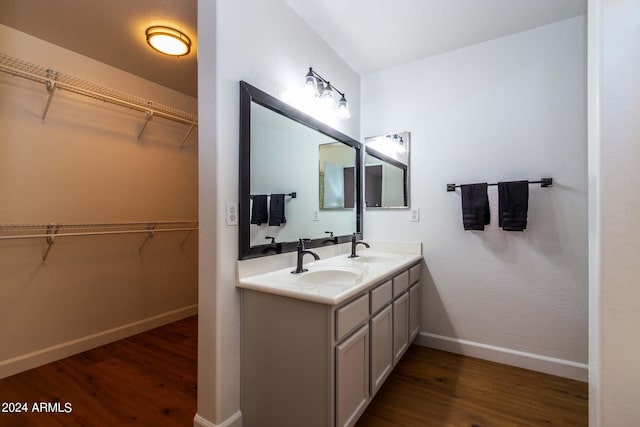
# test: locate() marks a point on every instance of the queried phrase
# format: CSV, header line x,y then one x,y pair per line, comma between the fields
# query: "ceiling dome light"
x,y
168,41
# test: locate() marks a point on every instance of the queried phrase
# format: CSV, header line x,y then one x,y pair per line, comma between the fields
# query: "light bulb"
x,y
311,84
327,95
343,108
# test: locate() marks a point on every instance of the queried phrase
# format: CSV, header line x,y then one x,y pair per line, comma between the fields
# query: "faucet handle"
x,y
301,242
330,233
273,239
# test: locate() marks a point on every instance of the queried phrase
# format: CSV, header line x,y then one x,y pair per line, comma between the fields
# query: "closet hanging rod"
x,y
544,182
51,231
54,79
30,231
92,233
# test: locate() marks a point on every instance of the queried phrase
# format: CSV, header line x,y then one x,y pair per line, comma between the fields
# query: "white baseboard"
x,y
234,421
521,359
51,354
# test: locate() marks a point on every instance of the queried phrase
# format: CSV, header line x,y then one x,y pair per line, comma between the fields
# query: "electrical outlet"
x,y
232,213
316,216
415,215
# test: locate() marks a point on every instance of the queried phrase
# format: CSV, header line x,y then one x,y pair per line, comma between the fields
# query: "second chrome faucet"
x,y
301,253
354,244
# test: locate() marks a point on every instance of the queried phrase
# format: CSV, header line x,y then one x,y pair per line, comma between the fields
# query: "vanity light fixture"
x,y
317,86
168,41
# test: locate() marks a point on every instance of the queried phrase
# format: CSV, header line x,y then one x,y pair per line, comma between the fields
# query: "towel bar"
x,y
293,195
544,182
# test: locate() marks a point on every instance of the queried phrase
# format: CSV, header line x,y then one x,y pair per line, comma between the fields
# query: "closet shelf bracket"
x,y
193,125
148,116
50,85
150,234
52,230
186,238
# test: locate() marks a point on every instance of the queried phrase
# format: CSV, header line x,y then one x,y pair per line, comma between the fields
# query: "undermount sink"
x,y
373,259
331,276
329,281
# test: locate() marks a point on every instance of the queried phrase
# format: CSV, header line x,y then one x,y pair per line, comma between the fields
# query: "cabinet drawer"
x,y
380,296
414,274
351,315
400,283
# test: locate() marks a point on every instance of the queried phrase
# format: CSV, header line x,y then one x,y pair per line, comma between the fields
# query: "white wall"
x,y
508,109
266,44
84,165
615,30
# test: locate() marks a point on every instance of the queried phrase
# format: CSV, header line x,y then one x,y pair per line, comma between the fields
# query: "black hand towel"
x,y
276,210
513,204
475,206
259,209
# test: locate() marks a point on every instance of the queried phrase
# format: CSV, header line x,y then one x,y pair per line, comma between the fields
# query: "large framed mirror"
x,y
387,171
283,158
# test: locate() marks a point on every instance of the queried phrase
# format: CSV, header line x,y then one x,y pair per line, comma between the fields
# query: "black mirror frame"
x,y
248,95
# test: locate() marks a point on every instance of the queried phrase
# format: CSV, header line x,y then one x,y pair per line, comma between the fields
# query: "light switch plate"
x,y
415,215
232,213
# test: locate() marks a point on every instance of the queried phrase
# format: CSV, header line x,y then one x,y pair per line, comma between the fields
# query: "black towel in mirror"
x,y
276,210
259,213
475,206
513,204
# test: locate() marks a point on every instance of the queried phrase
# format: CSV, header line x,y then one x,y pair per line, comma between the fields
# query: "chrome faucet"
x,y
301,253
355,243
331,238
273,246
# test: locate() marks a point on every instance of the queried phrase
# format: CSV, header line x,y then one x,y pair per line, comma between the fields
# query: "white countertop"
x,y
333,280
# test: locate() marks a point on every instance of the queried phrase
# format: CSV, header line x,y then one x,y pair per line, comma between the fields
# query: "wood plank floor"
x,y
439,389
150,380
145,380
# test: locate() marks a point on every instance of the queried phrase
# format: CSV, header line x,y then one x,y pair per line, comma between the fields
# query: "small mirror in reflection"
x,y
387,171
337,176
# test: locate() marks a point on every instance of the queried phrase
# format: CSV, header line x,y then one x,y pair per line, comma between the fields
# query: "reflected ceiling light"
x,y
397,139
168,41
317,86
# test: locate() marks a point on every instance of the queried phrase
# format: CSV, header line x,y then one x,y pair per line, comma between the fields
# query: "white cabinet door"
x,y
400,326
414,311
352,377
381,348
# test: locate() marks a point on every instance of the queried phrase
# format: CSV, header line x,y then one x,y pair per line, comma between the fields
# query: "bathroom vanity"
x,y
317,346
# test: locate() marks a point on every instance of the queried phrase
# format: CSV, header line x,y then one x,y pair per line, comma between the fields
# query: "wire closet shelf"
x,y
52,231
56,80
